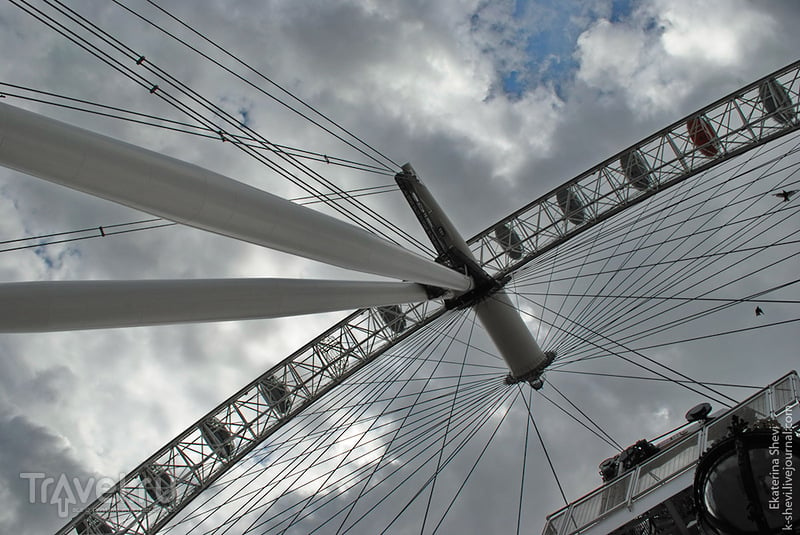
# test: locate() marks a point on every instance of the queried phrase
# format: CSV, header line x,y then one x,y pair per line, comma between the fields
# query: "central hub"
x,y
484,285
525,360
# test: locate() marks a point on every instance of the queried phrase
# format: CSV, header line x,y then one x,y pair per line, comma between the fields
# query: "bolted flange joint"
x,y
535,377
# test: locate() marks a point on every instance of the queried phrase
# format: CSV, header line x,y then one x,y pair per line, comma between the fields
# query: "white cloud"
x,y
717,33
660,55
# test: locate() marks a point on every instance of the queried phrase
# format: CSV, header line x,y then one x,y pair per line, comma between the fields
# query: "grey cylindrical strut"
x,y
437,214
75,305
189,194
498,315
509,333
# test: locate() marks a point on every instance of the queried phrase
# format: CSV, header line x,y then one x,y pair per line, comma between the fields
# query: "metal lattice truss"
x,y
153,493
161,486
752,116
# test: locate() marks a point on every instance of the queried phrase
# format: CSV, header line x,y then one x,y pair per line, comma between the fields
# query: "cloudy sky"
x,y
494,102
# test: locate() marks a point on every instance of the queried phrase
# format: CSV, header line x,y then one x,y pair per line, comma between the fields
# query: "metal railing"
x,y
772,401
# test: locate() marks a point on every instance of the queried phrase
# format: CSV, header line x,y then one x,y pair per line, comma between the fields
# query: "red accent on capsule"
x,y
703,136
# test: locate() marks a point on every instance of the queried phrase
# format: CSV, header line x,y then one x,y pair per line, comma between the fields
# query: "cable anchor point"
x,y
535,378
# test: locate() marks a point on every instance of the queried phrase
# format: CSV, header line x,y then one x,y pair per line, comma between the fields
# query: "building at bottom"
x,y
657,496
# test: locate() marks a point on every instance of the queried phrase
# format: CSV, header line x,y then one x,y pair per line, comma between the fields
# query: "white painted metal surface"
x,y
438,214
74,305
194,196
498,315
509,333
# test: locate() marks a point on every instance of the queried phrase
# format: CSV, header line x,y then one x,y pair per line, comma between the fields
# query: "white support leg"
x,y
75,305
189,194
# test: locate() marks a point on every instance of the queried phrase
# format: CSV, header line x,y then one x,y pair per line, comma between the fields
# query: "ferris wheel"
x,y
393,418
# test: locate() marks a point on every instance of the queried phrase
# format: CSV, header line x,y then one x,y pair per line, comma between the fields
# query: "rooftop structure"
x,y
656,496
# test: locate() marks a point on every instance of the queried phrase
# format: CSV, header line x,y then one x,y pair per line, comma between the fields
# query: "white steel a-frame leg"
x,y
189,194
74,305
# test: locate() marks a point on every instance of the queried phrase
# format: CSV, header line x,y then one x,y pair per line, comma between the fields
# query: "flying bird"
x,y
759,312
785,195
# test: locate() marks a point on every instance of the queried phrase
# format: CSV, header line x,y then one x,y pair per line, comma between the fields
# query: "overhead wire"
x,y
623,222
648,231
694,262
669,324
641,332
640,355
311,419
355,446
268,80
588,418
624,315
544,449
665,298
524,467
578,421
240,126
478,419
625,376
502,419
682,221
161,93
582,316
103,231
165,123
472,404
447,425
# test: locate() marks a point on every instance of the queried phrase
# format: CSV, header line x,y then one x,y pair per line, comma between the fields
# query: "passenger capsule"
x,y
703,136
777,101
93,525
571,205
218,437
509,240
276,395
392,316
636,171
158,485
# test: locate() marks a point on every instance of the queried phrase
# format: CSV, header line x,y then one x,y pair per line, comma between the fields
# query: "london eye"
x,y
424,407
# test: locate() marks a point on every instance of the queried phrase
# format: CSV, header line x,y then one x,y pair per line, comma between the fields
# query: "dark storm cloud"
x,y
38,474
